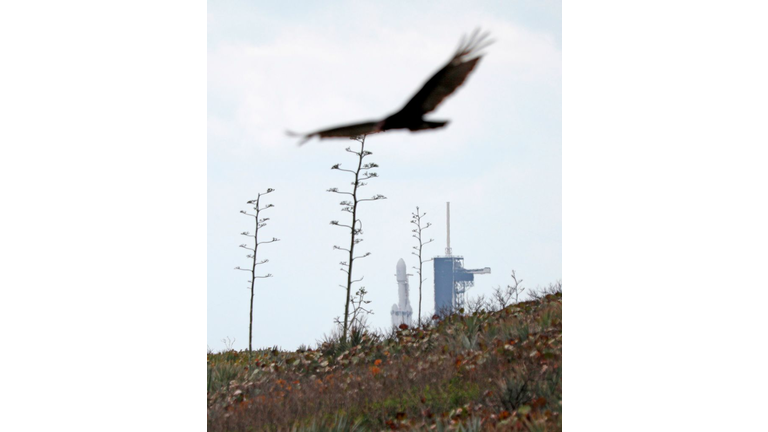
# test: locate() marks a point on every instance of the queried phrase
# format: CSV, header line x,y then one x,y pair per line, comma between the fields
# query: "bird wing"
x,y
450,77
348,131
432,93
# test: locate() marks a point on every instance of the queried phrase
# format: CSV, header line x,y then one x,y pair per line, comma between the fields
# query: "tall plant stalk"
x,y
361,173
259,223
416,220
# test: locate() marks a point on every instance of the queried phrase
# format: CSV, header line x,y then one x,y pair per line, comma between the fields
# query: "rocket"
x,y
402,312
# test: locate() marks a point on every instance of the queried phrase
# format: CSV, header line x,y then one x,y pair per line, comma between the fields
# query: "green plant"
x,y
340,423
523,331
221,375
515,389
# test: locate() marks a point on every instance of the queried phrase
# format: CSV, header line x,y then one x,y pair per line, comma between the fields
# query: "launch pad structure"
x,y
452,280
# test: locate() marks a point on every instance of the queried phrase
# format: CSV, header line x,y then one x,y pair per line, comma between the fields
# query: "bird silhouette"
x,y
441,85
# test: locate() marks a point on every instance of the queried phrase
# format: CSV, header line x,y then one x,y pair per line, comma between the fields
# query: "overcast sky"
x,y
273,67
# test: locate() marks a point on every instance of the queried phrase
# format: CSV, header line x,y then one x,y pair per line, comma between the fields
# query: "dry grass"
x,y
485,371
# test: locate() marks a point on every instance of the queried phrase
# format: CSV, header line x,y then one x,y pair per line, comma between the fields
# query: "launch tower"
x,y
452,280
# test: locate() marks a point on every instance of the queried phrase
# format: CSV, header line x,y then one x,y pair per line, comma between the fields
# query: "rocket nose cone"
x,y
401,267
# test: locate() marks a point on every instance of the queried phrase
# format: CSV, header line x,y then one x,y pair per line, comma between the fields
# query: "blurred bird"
x,y
434,91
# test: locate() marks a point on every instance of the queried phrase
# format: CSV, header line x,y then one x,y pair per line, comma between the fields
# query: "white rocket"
x,y
402,312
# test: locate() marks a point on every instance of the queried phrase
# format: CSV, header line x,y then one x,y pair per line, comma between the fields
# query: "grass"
x,y
489,370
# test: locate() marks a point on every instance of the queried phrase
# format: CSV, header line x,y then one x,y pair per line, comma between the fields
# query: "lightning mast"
x,y
448,228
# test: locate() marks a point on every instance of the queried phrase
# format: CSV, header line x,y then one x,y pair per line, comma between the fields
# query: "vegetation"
x,y
486,370
355,227
416,220
259,224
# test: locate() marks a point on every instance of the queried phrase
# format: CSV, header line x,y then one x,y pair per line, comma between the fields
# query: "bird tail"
x,y
428,125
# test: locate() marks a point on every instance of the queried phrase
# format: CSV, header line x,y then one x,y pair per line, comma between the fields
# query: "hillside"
x,y
499,370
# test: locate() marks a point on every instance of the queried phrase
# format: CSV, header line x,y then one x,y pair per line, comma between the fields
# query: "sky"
x,y
276,67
